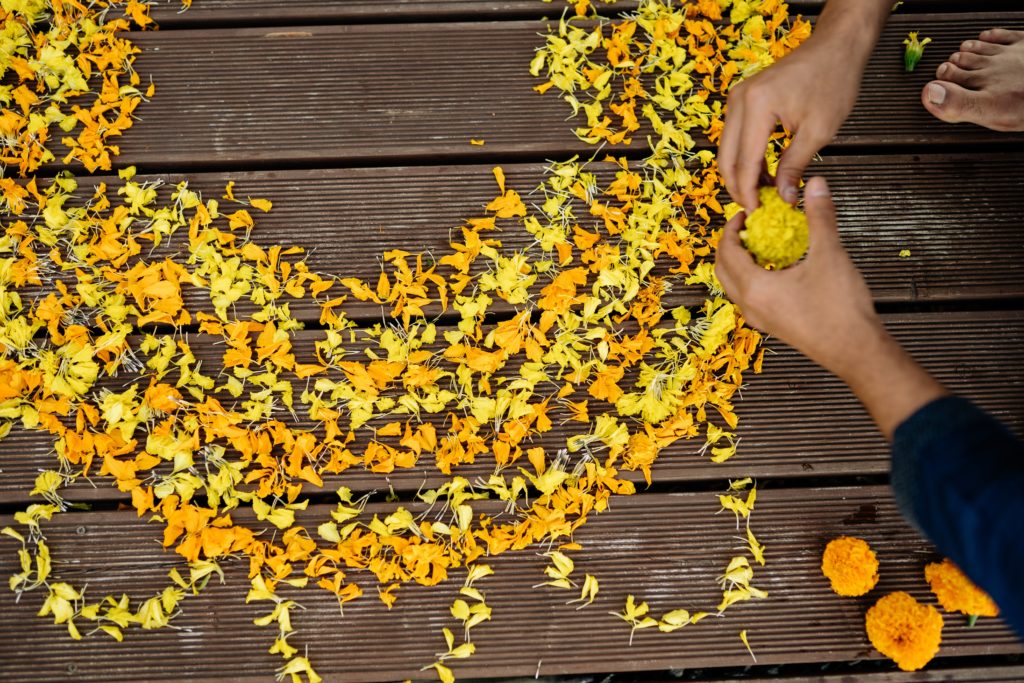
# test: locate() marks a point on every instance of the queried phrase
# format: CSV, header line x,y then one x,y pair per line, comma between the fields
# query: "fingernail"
x,y
789,194
817,187
936,93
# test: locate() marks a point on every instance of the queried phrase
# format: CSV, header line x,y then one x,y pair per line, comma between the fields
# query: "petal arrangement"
x,y
150,334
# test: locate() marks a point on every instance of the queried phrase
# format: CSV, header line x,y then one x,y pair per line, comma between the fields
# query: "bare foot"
x,y
983,83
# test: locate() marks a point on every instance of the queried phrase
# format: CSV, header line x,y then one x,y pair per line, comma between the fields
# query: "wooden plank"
x,y
666,549
796,420
959,215
332,95
885,204
268,12
938,670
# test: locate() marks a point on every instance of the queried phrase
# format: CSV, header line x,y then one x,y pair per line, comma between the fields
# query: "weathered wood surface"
x,y
666,549
939,670
168,12
796,420
302,92
958,215
371,94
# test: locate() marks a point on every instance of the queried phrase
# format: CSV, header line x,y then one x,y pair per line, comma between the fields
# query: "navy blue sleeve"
x,y
958,475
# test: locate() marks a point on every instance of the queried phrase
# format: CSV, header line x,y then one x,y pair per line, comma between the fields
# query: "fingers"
x,y
750,157
729,145
744,141
821,215
746,283
731,259
792,165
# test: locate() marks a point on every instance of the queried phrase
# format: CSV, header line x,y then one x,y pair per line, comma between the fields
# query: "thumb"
x,y
821,214
792,164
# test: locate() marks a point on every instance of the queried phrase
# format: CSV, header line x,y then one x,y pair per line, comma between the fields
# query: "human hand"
x,y
820,306
811,91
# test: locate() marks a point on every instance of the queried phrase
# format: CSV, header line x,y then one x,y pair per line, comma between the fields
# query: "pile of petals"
x,y
68,74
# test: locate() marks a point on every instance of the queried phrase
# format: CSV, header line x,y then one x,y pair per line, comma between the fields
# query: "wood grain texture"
x,y
940,670
348,95
299,92
958,215
267,12
665,549
796,420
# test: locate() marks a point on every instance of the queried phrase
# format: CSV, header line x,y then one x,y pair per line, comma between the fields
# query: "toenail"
x,y
943,68
969,45
936,93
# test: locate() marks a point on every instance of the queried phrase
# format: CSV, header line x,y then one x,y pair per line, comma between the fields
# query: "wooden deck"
x,y
355,117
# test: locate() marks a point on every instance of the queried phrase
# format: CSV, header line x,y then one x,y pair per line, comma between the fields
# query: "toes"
x,y
1001,36
951,102
968,60
953,74
981,47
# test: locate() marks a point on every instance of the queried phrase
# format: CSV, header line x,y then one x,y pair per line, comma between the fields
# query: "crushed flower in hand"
x,y
850,565
776,233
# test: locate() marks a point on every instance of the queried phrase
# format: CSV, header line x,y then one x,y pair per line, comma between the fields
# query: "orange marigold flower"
x,y
850,565
904,630
955,591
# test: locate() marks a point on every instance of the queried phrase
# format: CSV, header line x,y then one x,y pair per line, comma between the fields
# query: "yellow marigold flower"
x,y
850,565
904,630
955,591
776,232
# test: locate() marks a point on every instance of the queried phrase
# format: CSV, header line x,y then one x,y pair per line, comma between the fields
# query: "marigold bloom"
x,y
850,565
776,233
955,591
904,630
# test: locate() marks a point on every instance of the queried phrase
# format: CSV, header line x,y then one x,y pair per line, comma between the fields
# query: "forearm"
x,y
890,384
853,25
